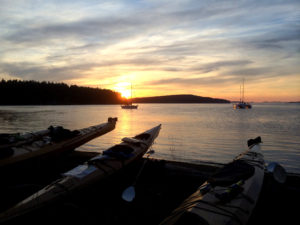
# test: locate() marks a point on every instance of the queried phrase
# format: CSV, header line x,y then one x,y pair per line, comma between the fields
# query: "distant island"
x,y
179,99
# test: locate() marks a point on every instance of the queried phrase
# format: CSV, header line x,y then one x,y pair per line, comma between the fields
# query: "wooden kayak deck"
x,y
162,186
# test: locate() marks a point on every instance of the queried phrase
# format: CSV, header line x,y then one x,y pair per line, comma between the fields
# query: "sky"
x,y
205,48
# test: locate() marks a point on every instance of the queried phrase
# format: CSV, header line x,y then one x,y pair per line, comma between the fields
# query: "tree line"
x,y
18,92
179,99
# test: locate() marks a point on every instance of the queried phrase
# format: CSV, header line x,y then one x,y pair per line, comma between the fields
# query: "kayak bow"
x,y
97,168
229,196
53,141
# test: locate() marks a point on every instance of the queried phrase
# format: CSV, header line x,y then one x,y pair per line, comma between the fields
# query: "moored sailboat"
x,y
129,104
242,104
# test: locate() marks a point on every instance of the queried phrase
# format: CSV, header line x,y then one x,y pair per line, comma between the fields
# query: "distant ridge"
x,y
179,99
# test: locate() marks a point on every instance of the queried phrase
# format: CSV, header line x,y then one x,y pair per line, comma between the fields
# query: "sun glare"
x,y
126,93
124,89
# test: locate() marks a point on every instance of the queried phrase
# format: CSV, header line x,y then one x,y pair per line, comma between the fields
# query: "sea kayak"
x,y
229,196
16,149
97,168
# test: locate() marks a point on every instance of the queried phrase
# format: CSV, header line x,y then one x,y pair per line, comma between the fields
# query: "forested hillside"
x,y
17,92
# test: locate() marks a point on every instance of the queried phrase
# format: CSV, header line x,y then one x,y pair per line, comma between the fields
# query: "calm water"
x,y
190,132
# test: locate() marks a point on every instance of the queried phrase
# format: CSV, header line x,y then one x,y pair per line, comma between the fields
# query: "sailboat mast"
x,y
243,89
131,94
240,93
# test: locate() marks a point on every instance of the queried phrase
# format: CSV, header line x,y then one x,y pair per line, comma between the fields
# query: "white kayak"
x,y
54,140
96,169
229,196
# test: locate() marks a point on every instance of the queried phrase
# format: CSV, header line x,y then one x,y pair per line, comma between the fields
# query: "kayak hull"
x,y
44,147
225,200
96,169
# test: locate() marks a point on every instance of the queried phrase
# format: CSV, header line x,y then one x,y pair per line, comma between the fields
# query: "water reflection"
x,y
190,132
21,121
125,124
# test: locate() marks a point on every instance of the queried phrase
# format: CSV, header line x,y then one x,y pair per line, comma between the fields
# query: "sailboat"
x,y
129,104
242,104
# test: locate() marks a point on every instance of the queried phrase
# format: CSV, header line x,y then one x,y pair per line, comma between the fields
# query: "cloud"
x,y
276,39
189,82
37,71
186,42
231,76
209,67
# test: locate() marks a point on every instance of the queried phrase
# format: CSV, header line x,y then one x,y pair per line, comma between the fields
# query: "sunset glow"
x,y
125,94
124,89
195,47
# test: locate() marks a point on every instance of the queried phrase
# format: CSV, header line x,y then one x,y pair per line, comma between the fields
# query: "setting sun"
x,y
125,93
124,89
176,53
